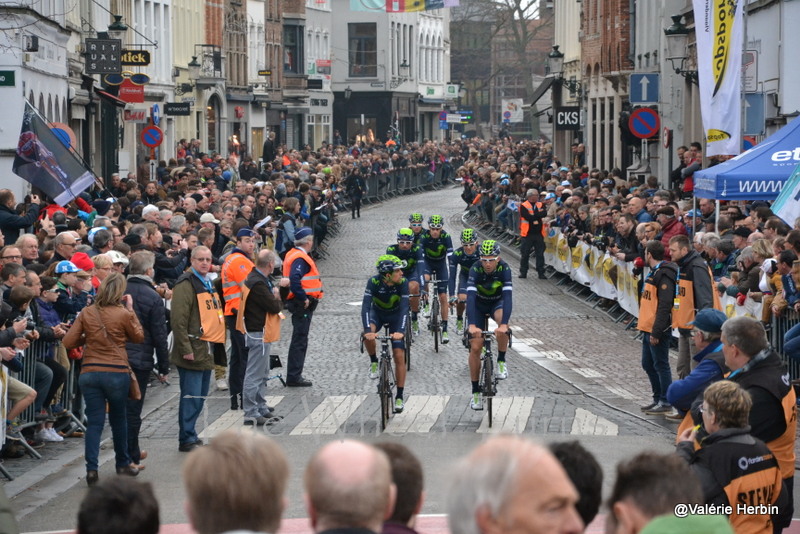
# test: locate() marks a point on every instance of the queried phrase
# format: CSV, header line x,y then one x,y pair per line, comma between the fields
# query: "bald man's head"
x,y
349,484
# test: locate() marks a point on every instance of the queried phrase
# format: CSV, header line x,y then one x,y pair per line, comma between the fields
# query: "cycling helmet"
x,y
490,248
415,218
405,234
435,221
467,236
388,263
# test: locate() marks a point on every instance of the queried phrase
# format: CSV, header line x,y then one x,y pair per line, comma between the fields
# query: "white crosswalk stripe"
x,y
329,415
509,415
588,424
231,419
420,414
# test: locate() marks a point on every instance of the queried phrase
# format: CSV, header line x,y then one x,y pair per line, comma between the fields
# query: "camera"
x,y
29,324
601,243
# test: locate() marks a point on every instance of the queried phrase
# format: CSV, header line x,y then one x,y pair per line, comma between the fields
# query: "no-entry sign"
x,y
644,123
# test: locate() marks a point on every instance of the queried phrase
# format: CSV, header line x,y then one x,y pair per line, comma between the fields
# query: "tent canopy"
x,y
758,174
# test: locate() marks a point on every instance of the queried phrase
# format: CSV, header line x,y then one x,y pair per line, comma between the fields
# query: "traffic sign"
x,y
155,113
7,78
644,123
667,135
644,88
754,114
152,136
443,116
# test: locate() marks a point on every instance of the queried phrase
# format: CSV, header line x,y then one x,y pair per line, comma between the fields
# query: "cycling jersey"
x,y
415,264
487,292
437,249
459,258
385,304
418,236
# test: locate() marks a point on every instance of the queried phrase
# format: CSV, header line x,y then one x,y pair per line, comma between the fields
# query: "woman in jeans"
x,y
104,327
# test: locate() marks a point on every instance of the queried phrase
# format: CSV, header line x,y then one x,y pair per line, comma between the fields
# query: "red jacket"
x,y
674,227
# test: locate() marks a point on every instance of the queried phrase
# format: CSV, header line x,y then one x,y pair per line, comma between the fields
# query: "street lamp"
x,y
117,29
194,68
555,65
677,39
348,93
194,74
404,70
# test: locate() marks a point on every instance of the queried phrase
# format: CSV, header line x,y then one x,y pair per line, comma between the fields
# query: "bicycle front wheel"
x,y
435,324
408,345
385,392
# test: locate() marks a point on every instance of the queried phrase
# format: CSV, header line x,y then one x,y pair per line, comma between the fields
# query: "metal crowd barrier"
x,y
396,182
779,325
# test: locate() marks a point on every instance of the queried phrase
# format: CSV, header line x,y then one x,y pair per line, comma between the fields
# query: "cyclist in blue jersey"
x,y
415,221
436,248
386,303
463,257
411,254
488,295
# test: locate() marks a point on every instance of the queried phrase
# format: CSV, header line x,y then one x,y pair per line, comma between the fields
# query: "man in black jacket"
x,y
655,320
263,299
10,222
149,308
773,418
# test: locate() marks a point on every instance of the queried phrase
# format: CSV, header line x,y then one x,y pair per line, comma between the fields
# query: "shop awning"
x,y
541,90
111,99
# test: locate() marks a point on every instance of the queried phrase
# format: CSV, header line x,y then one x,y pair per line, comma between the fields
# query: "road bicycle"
x,y
386,381
487,379
435,321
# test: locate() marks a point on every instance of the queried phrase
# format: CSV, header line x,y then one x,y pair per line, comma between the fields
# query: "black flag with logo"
x,y
47,163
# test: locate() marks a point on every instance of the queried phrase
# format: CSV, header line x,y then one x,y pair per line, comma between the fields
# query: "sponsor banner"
x,y
719,28
512,109
787,205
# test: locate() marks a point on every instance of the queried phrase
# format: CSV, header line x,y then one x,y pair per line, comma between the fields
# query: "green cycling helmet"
x,y
388,263
415,218
467,236
435,221
490,248
405,234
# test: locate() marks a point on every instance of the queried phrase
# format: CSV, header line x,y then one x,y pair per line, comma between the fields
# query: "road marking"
x,y
622,392
232,418
419,415
555,355
588,372
329,415
531,341
509,415
588,424
526,350
354,303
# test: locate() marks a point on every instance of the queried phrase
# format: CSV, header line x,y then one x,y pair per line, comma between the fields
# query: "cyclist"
x,y
488,295
415,222
411,254
386,303
463,257
436,248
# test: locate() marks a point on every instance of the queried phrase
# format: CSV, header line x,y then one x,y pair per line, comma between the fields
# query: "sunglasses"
x,y
488,260
416,225
435,227
405,242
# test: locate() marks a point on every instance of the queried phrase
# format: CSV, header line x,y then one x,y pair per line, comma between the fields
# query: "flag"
x,y
434,4
719,28
787,205
46,163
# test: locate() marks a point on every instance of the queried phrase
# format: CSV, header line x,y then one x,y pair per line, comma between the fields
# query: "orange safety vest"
x,y
648,306
234,272
212,323
783,446
685,312
524,225
311,282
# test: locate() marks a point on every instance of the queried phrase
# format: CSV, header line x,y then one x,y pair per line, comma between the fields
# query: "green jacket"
x,y
186,332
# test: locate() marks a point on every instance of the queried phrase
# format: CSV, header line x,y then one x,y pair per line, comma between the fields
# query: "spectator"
x,y
119,506
647,486
408,479
586,475
10,222
696,293
196,319
151,312
510,484
718,462
760,372
531,233
670,226
349,488
104,328
223,497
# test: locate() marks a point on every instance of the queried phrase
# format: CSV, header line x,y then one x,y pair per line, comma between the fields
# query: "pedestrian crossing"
x,y
423,414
